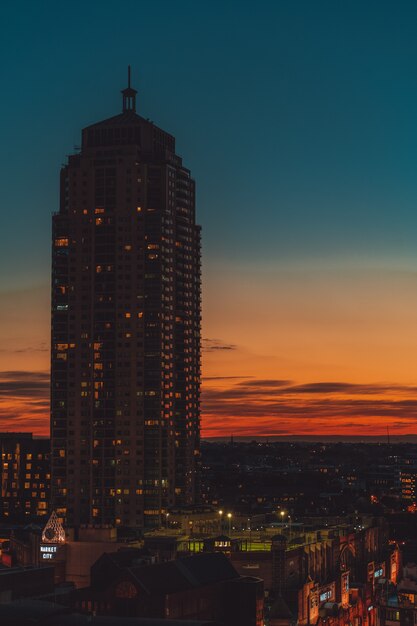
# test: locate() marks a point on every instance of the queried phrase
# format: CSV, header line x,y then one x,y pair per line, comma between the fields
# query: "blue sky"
x,y
297,119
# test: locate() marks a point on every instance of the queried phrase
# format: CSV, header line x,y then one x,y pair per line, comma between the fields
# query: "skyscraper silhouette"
x,y
125,374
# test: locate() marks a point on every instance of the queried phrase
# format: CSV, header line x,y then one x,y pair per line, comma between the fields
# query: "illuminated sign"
x,y
48,552
326,595
394,566
378,573
53,532
345,588
314,603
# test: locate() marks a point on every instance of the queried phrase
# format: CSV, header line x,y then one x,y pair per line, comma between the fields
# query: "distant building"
x,y
25,477
408,477
397,605
125,370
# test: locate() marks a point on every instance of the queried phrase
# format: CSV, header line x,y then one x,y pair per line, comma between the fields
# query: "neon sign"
x,y
48,552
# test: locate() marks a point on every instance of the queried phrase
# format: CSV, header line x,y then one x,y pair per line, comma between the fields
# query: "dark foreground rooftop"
x,y
34,612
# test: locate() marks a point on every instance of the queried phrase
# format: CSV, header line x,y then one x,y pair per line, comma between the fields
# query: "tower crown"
x,y
129,95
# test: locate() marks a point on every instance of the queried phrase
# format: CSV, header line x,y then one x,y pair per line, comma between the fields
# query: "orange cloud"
x,y
268,407
24,402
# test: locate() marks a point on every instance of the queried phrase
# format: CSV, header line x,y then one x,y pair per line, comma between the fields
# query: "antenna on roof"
x,y
129,95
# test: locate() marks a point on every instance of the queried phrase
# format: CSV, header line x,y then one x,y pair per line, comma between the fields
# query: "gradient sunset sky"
x,y
299,123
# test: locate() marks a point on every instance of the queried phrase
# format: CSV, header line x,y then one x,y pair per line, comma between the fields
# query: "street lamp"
x,y
166,520
282,513
229,516
221,520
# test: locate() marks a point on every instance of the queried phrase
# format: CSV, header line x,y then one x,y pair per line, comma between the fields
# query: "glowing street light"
x,y
229,516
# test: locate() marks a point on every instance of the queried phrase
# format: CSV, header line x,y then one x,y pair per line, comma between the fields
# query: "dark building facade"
x,y
125,379
18,582
199,587
25,477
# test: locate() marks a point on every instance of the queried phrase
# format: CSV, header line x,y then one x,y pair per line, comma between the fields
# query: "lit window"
x,y
62,242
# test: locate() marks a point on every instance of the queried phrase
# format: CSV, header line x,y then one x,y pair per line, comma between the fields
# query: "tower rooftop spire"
x,y
129,95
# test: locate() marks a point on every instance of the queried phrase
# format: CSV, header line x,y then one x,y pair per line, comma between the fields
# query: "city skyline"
x,y
299,124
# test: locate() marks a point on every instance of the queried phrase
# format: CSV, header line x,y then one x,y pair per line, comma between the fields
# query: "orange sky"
x,y
288,333
289,351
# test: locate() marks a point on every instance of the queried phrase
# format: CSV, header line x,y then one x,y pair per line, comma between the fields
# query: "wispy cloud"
x,y
226,377
244,405
349,388
24,384
266,383
24,401
277,406
211,345
42,347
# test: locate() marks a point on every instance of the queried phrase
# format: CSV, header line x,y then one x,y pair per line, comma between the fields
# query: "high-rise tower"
x,y
125,375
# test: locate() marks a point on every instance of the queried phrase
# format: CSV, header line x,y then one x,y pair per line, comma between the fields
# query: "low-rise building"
x,y
25,477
